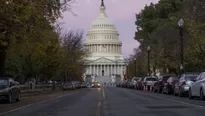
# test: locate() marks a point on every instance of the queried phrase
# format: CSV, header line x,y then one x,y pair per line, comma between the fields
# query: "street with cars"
x,y
112,101
139,96
191,85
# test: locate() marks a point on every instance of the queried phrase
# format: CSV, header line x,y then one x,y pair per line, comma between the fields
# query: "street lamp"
x,y
127,70
148,59
180,24
135,66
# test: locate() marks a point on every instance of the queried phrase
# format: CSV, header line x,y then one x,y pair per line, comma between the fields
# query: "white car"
x,y
197,89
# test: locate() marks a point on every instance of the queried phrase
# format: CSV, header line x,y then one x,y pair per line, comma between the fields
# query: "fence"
x,y
27,90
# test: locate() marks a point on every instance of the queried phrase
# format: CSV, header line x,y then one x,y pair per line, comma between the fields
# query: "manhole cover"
x,y
166,107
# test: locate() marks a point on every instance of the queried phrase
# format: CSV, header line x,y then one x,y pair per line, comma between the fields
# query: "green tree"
x,y
23,19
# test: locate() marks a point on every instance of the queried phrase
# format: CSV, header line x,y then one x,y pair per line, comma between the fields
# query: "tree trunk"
x,y
2,62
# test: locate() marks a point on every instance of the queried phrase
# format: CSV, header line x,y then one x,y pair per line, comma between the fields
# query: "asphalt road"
x,y
114,102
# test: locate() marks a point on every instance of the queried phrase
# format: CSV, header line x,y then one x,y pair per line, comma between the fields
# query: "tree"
x,y
156,26
75,54
23,19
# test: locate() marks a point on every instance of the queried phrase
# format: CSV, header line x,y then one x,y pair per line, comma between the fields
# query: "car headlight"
x,y
92,84
4,90
98,84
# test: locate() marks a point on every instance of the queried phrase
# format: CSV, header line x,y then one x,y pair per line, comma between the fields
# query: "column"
x,y
90,69
107,70
117,69
111,69
94,69
97,70
113,48
100,69
108,66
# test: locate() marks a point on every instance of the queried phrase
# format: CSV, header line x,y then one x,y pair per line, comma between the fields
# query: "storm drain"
x,y
167,107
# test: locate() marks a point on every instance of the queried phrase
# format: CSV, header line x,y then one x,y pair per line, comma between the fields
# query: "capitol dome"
x,y
104,48
102,37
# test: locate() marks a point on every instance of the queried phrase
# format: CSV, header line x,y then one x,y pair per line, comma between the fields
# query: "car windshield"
x,y
95,83
151,79
3,82
165,78
190,77
174,78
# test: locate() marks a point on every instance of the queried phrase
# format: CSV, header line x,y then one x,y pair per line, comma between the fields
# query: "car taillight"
x,y
145,83
184,83
171,83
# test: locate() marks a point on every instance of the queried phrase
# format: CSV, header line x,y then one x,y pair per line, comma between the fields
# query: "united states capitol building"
x,y
106,62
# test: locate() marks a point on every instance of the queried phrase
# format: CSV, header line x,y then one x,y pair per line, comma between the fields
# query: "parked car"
x,y
148,82
124,83
139,85
68,86
134,82
96,85
121,84
182,87
159,85
170,84
118,84
8,90
83,85
129,84
197,89
76,84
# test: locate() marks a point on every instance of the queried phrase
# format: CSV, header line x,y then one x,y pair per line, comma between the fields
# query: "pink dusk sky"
x,y
120,12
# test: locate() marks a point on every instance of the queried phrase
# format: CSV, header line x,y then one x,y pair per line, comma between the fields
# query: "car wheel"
x,y
202,97
10,98
174,93
18,97
158,90
190,94
155,91
180,93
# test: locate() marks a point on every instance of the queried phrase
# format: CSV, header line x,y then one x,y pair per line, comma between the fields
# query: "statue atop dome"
x,y
102,3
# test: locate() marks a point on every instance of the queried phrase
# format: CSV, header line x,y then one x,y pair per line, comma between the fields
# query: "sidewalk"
x,y
32,99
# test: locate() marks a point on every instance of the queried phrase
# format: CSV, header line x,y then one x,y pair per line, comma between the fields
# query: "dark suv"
x,y
8,90
159,85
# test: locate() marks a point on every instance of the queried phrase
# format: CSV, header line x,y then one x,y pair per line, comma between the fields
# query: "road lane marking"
x,y
173,100
99,102
20,108
103,92
140,107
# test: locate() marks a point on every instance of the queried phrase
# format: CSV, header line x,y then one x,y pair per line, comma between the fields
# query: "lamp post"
x,y
180,24
148,59
127,70
135,67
